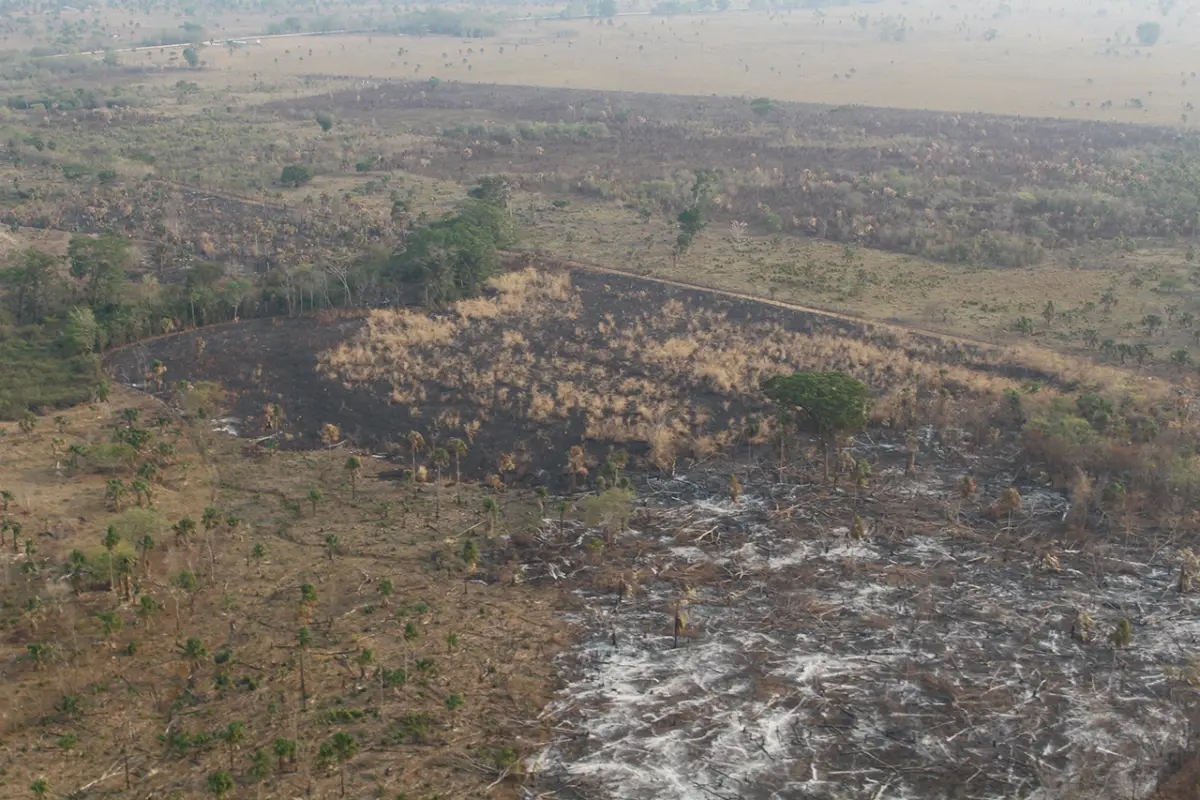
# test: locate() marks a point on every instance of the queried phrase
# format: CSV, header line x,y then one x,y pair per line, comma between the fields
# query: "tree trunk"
x,y
781,459
303,687
212,561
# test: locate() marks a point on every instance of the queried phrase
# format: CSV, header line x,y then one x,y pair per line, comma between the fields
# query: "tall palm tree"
x,y
303,640
115,492
491,510
353,465
76,568
193,652
110,542
416,444
345,747
284,748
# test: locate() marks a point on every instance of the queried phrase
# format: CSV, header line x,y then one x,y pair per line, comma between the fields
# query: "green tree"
x,y
114,493
219,783
260,766
29,278
184,530
1048,312
186,581
762,106
694,218
295,175
147,608
100,263
365,659
416,444
40,652
110,623
610,510
325,120
142,491
191,57
385,589
352,466
491,510
829,404
40,788
211,518
454,256
110,541
303,641
345,748
314,497
331,545
284,748
193,652
1148,33
233,735
76,568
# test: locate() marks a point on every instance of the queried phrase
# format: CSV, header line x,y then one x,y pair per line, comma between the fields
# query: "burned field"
x,y
937,652
988,597
554,359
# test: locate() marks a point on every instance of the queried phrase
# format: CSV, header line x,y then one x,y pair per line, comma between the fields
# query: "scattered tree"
x,y
353,466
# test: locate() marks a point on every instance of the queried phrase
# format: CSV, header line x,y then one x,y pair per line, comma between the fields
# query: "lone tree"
x,y
829,404
353,465
342,747
694,218
110,542
295,175
762,106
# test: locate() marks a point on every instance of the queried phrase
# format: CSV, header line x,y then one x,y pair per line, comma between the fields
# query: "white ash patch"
x,y
899,666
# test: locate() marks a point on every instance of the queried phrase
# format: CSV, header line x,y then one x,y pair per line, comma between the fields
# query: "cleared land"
x,y
435,665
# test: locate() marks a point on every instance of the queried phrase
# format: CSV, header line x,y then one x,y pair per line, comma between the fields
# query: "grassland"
x,y
1067,61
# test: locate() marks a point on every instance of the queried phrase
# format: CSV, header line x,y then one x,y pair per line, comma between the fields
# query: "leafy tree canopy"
x,y
828,403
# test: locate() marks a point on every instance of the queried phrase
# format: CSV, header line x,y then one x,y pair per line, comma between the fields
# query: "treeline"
x,y
443,22
59,312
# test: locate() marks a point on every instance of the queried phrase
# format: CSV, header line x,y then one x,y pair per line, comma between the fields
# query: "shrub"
x,y
412,728
110,457
135,523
